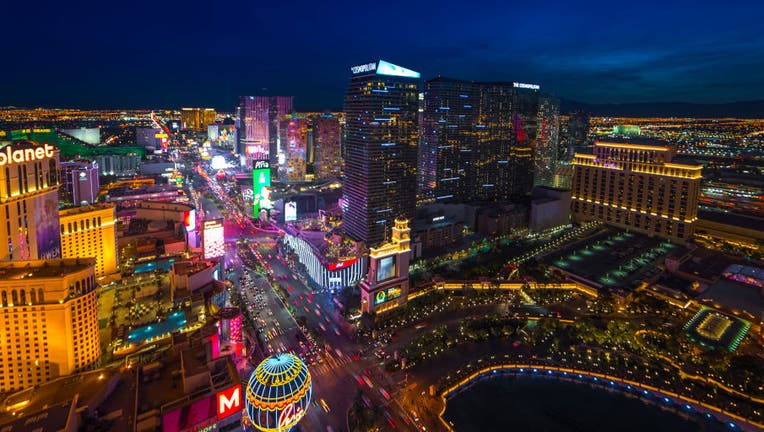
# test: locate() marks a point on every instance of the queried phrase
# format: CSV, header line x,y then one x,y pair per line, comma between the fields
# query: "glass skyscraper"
x,y
381,106
546,151
258,119
478,139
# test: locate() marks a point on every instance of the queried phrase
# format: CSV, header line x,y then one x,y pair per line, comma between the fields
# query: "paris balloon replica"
x,y
278,393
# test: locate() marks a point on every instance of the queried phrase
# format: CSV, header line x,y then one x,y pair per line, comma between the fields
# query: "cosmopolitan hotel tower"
x,y
482,140
381,106
29,201
636,186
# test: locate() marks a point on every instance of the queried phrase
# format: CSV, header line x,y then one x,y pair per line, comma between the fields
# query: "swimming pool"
x,y
173,323
164,265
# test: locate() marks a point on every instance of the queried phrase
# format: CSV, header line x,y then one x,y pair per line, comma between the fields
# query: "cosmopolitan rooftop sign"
x,y
8,155
526,86
368,67
385,68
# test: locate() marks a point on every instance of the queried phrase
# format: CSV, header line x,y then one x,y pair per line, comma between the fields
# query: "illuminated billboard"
x,y
386,268
290,211
386,68
387,295
189,220
229,401
341,264
213,239
261,181
196,416
47,235
25,153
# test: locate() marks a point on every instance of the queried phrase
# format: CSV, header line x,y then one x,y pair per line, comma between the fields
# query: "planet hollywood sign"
x,y
8,155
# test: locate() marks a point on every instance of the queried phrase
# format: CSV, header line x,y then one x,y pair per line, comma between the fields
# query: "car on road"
x,y
368,381
359,379
325,406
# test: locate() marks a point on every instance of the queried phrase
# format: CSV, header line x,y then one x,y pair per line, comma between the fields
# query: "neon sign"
x,y
385,68
341,264
290,416
261,191
9,156
368,67
526,86
213,239
229,401
387,295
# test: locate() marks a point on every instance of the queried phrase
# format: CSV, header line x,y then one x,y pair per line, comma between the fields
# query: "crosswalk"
x,y
329,362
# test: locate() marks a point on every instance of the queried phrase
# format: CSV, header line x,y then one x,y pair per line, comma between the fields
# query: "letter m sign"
x,y
229,401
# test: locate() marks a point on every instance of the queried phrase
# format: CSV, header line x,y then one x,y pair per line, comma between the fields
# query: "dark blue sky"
x,y
170,54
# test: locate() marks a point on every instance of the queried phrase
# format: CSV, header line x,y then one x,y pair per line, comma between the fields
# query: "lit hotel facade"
x,y
382,109
636,187
48,321
29,201
90,231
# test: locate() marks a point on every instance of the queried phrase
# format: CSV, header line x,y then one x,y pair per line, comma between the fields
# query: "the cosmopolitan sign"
x,y
526,86
368,67
9,155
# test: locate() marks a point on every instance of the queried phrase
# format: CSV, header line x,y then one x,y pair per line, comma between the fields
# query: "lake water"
x,y
512,403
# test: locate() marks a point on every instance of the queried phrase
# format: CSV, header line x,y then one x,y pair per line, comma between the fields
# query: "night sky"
x,y
170,54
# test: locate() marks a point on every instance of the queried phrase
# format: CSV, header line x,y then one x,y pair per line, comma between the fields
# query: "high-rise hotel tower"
x,y
483,141
636,186
381,106
29,228
48,320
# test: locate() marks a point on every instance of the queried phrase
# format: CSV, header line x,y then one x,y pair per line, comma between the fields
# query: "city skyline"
x,y
394,216
641,53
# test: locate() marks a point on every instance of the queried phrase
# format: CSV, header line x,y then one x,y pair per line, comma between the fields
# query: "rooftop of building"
x,y
43,269
73,211
615,258
86,386
162,205
734,295
637,141
191,267
329,246
732,219
162,385
123,191
77,162
56,417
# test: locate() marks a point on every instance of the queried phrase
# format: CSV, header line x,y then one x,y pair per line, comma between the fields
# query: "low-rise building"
x,y
550,207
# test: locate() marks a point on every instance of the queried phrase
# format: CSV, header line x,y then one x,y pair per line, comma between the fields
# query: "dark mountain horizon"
x,y
752,109
740,109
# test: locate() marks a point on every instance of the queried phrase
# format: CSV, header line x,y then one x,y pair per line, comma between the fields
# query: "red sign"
x,y
229,401
341,264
